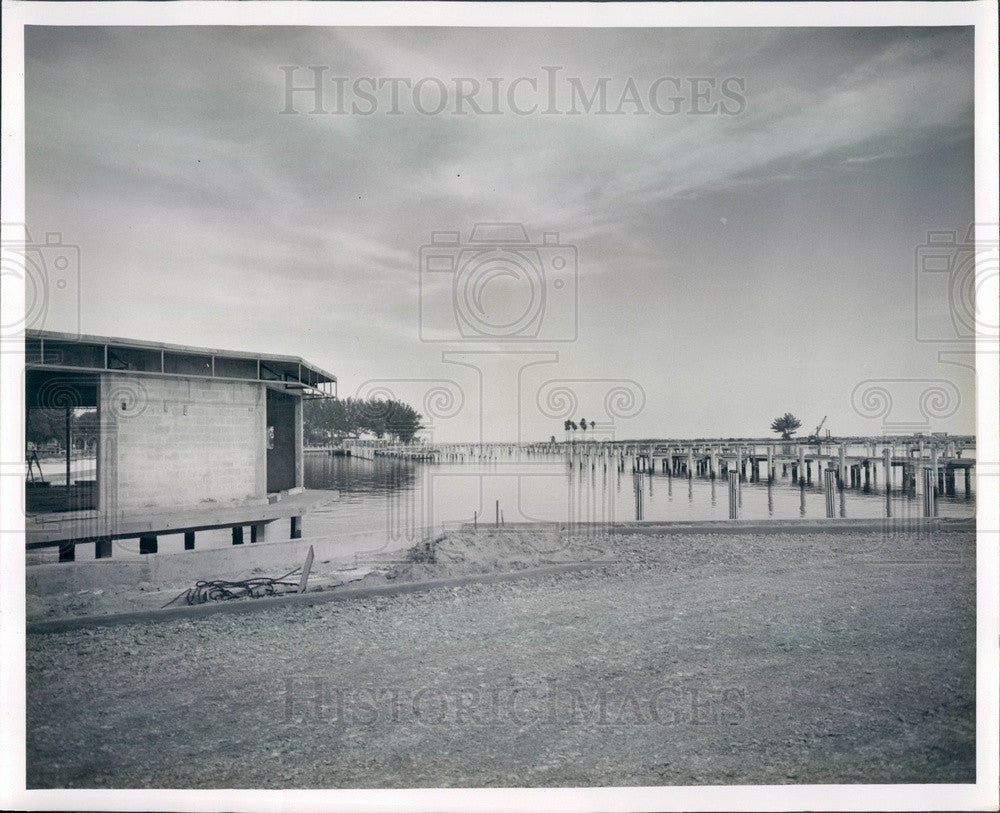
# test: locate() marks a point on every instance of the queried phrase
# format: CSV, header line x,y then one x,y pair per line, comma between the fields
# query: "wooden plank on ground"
x,y
305,570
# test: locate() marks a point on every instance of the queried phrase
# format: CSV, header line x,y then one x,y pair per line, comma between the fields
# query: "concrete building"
x,y
182,439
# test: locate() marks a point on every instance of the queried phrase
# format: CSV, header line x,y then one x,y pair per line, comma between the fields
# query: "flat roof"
x,y
46,349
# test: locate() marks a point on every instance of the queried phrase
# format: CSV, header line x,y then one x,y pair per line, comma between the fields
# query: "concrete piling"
x,y
829,488
930,501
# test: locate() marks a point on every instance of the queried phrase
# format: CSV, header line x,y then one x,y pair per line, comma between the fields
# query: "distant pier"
x,y
905,464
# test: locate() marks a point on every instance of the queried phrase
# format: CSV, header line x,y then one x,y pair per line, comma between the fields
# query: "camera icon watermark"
x,y
49,271
498,286
957,286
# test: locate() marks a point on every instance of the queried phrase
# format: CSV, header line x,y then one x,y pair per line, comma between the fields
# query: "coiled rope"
x,y
222,590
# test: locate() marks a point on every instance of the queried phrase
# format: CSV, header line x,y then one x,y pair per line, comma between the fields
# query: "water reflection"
x,y
400,497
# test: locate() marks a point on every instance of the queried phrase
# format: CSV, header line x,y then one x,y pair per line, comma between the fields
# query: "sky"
x,y
735,233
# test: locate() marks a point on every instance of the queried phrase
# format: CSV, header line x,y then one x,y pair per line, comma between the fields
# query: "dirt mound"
x,y
491,550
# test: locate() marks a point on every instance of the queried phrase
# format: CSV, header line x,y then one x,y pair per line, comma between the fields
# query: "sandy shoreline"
x,y
720,659
128,585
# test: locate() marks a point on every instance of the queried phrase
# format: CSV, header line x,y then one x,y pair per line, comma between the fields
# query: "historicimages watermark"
x,y
315,90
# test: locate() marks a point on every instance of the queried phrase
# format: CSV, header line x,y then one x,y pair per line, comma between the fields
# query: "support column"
x,y
102,548
258,532
189,540
734,495
930,504
296,528
69,481
67,552
828,487
148,544
237,534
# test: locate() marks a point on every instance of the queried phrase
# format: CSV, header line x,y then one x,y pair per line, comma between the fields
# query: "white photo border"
x,y
979,13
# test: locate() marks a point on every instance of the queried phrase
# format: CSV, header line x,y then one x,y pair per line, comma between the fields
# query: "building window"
x,y
62,435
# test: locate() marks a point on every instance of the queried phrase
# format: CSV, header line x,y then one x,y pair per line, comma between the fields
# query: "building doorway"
x,y
62,433
280,441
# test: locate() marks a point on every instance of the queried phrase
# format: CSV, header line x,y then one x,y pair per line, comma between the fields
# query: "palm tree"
x,y
786,425
567,425
583,426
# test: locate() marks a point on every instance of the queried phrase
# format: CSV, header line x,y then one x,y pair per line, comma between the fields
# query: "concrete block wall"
x,y
300,457
181,442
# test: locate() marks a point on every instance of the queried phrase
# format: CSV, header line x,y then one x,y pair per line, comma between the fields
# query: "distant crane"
x,y
815,434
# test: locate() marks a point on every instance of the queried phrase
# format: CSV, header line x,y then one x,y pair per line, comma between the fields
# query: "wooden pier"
x,y
915,465
898,464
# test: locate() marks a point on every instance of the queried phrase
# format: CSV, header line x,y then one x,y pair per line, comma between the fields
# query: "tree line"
x,y
325,420
43,426
330,420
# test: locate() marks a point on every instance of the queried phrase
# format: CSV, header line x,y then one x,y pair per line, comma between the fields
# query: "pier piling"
x,y
930,503
829,487
734,500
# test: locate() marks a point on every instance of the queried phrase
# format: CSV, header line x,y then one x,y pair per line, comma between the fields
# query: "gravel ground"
x,y
823,658
112,599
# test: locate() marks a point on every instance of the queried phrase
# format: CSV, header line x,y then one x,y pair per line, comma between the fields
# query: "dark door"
x,y
280,441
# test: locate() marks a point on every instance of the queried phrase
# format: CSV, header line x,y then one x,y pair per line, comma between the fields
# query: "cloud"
x,y
161,152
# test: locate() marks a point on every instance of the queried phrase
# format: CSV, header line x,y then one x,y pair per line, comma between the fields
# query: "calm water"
x,y
388,505
402,499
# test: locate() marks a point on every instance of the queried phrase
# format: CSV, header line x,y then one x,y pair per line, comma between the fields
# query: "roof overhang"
x,y
49,350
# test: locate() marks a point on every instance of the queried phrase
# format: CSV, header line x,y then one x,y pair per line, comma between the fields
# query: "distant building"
x,y
186,439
